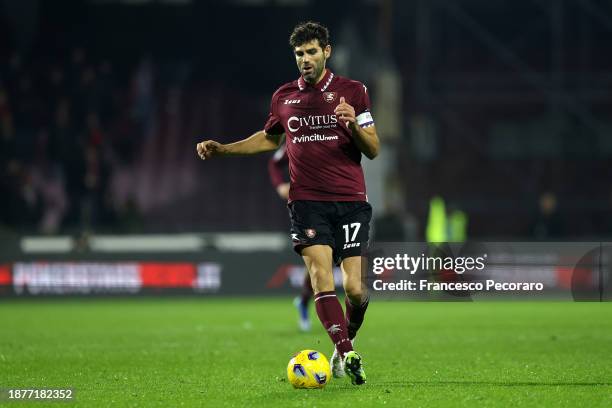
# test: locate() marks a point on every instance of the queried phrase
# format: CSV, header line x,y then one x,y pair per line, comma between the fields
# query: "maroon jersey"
x,y
324,161
277,166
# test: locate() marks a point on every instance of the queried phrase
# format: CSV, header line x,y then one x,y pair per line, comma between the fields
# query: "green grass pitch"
x,y
217,352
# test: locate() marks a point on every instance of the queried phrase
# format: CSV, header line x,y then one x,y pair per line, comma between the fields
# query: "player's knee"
x,y
354,291
322,279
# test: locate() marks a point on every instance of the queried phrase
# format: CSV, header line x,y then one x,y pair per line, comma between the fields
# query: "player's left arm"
x,y
365,138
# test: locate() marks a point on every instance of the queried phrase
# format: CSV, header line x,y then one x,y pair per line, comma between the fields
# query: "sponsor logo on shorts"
x,y
351,245
310,232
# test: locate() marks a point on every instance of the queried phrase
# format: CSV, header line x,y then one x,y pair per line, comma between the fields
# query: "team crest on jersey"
x,y
310,233
329,97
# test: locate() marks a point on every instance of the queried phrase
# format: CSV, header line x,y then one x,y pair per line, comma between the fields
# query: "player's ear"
x,y
327,51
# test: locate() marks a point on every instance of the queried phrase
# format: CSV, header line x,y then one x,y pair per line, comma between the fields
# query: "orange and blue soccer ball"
x,y
308,369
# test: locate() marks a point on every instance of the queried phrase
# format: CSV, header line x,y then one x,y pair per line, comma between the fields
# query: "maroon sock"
x,y
354,315
330,314
306,290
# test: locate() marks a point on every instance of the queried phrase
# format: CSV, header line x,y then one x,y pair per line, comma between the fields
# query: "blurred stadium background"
x,y
500,109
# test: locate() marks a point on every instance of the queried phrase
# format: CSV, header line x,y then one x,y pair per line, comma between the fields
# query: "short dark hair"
x,y
308,31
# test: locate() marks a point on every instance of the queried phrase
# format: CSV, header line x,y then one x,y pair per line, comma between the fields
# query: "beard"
x,y
314,74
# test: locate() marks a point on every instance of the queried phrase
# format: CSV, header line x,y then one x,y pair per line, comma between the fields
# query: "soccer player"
x,y
327,124
277,166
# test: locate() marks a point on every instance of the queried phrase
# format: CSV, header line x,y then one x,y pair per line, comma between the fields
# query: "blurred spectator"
x,y
93,201
49,186
143,106
547,224
55,89
106,83
20,204
55,146
7,131
62,136
129,217
395,224
27,117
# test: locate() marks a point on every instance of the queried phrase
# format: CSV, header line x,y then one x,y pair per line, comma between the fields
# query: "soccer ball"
x,y
308,369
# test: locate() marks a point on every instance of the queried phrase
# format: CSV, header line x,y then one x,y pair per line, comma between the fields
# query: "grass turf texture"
x,y
233,352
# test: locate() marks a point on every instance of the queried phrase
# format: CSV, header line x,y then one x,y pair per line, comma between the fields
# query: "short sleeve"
x,y
362,107
273,125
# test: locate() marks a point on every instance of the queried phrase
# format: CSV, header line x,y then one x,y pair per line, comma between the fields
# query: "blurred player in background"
x,y
327,122
277,168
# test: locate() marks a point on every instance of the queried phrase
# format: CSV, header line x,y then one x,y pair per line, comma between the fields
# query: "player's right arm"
x,y
270,138
258,142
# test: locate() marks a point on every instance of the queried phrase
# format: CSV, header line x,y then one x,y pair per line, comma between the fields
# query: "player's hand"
x,y
345,112
208,149
283,191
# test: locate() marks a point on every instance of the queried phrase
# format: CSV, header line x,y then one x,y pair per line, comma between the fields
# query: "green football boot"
x,y
353,366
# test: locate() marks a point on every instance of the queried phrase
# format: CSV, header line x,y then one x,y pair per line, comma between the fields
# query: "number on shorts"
x,y
356,226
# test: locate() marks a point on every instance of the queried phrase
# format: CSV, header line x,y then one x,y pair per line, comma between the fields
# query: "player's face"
x,y
310,59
